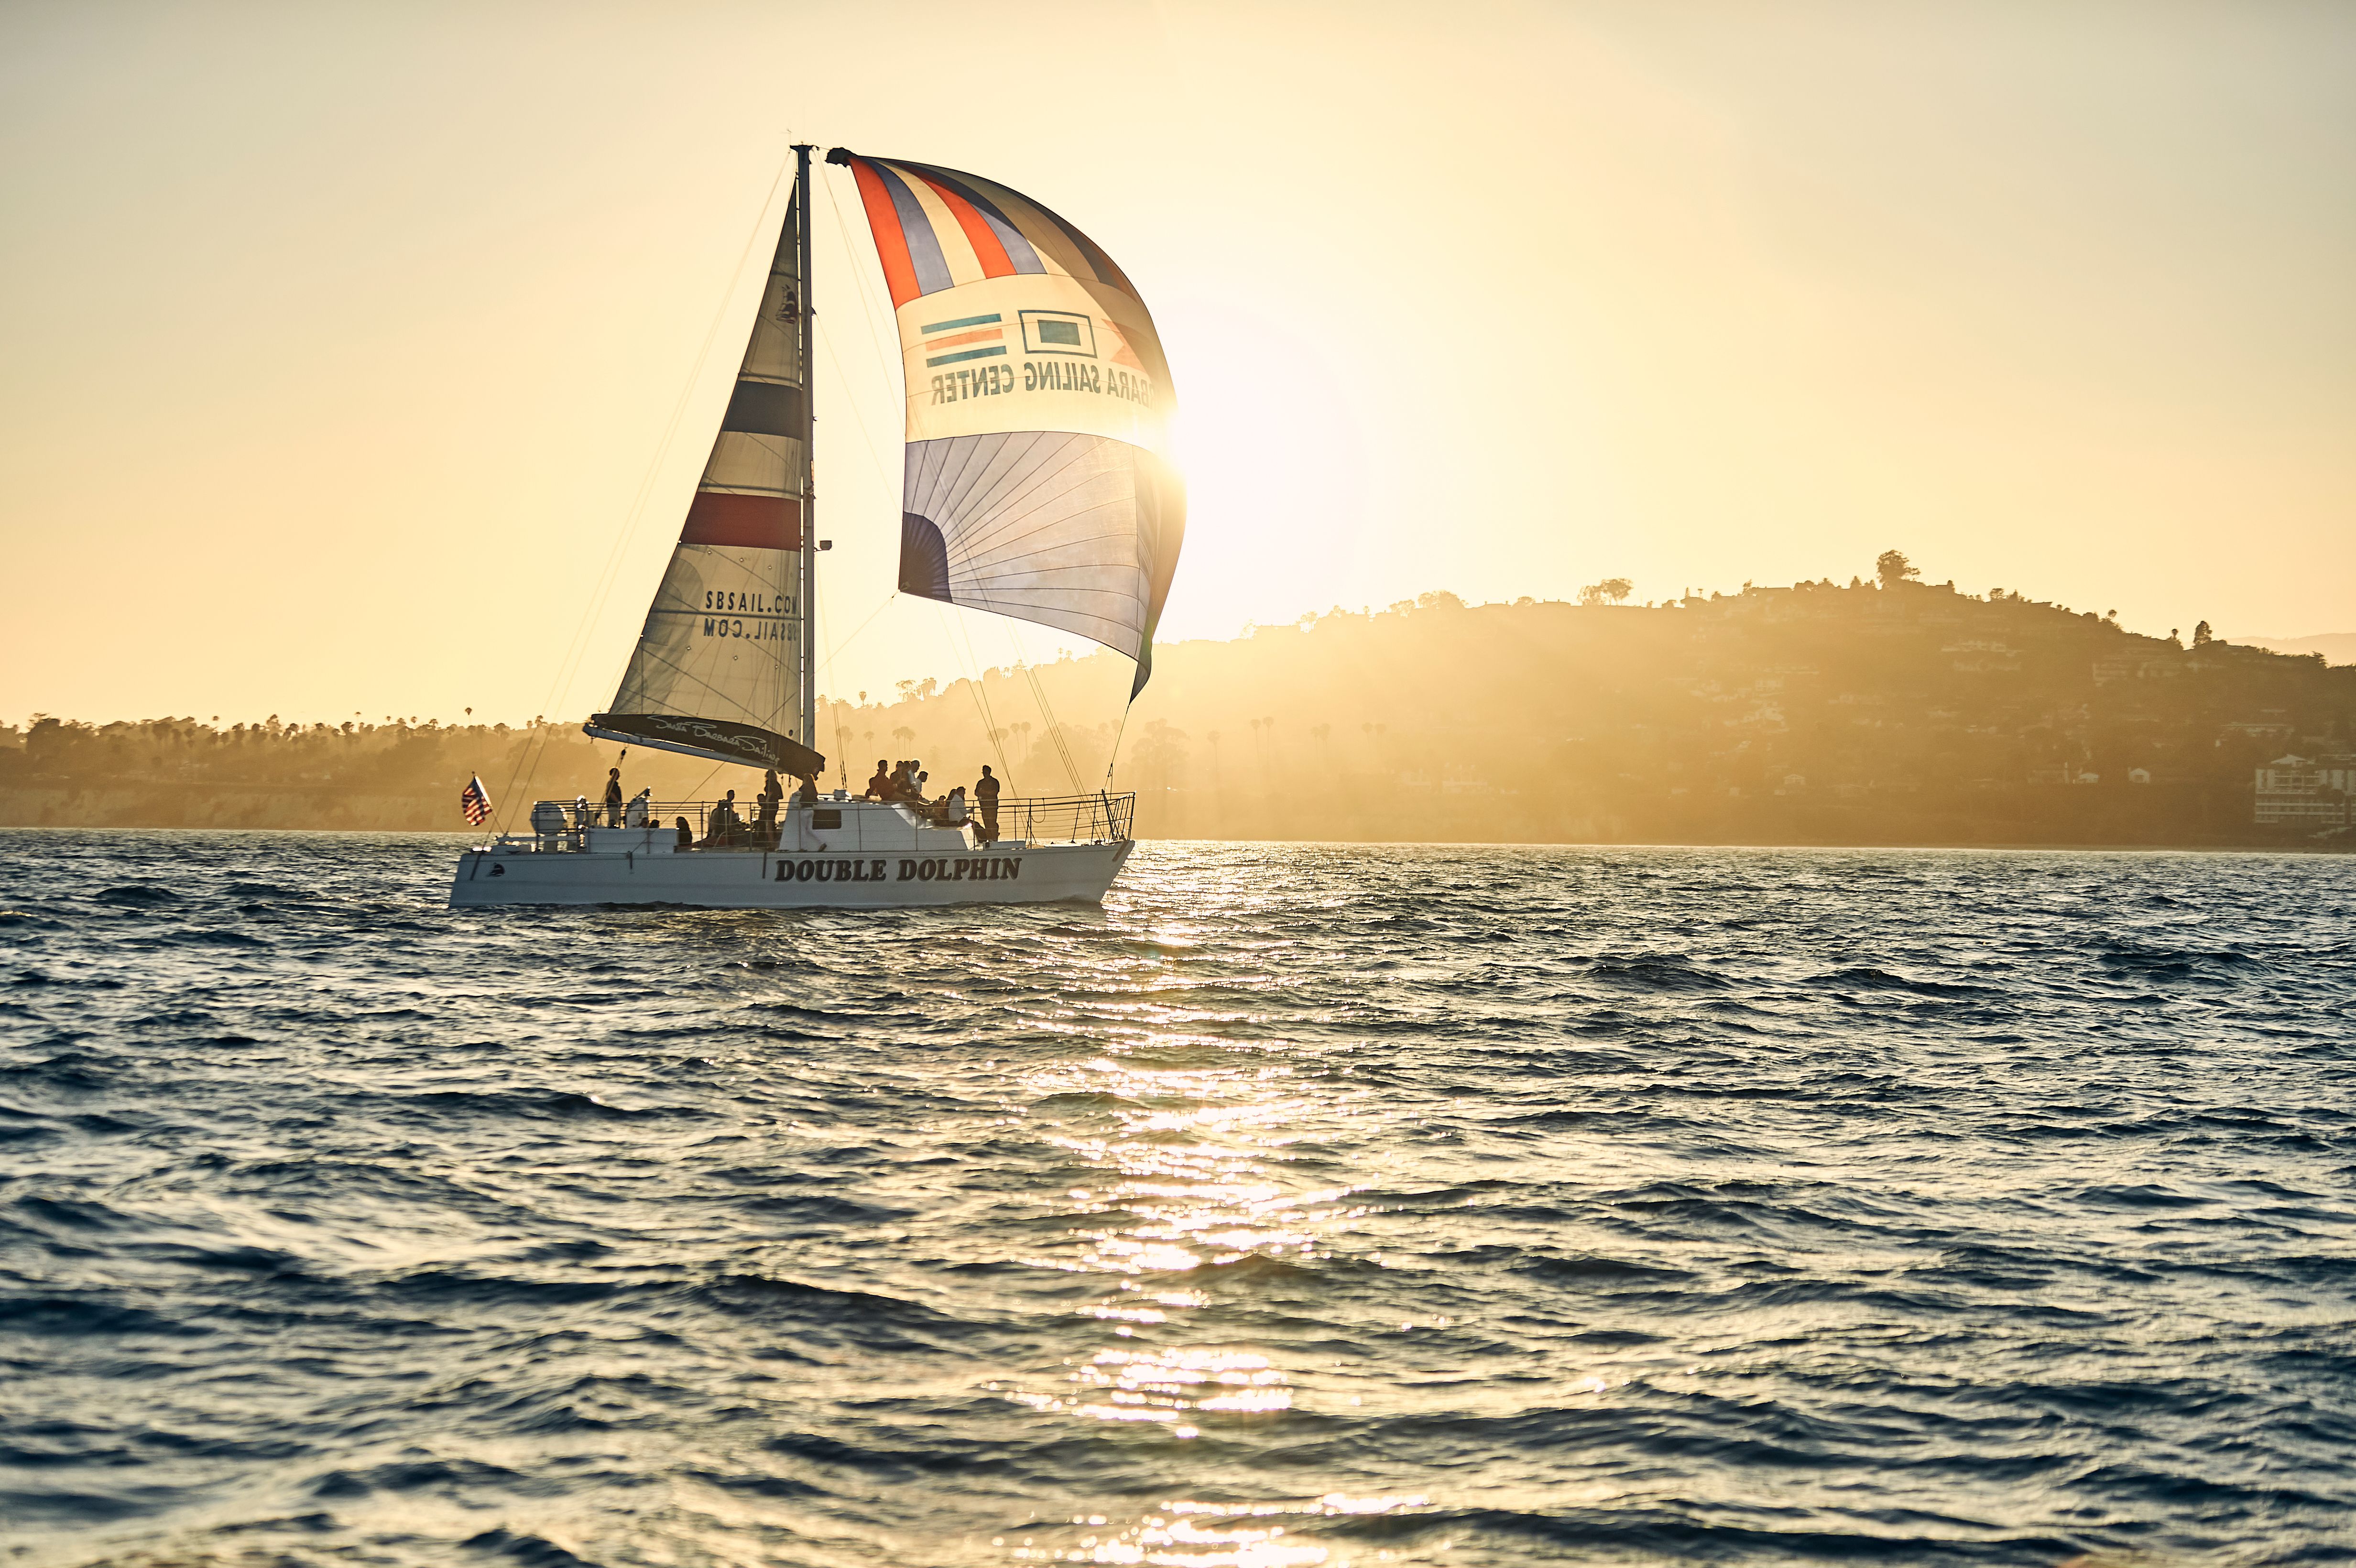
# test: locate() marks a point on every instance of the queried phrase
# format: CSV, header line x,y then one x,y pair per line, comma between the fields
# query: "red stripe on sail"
x,y
891,245
745,522
987,248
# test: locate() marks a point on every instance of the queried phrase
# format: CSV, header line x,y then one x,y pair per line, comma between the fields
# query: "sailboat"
x,y
1037,485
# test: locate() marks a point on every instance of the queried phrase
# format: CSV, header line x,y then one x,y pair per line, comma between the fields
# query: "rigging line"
x,y
528,761
1039,696
1055,729
980,697
981,700
1116,734
874,454
671,429
863,625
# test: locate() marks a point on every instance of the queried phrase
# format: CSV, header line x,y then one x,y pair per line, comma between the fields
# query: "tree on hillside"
x,y
2201,635
1892,566
1161,755
1612,590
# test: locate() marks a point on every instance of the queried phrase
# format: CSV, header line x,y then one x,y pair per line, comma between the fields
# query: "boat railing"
x,y
1082,818
1069,818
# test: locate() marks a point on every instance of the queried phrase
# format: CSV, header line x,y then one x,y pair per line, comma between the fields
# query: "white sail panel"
x,y
722,641
1046,526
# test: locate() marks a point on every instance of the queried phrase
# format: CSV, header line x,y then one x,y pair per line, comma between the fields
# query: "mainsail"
x,y
1038,482
718,669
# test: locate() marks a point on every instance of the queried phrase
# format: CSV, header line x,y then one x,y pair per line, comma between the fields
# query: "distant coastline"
x,y
1892,714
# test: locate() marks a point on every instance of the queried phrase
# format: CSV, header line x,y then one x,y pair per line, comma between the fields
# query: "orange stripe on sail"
x,y
987,332
987,248
891,244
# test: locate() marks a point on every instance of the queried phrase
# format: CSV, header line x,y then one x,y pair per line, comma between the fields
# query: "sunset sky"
x,y
342,339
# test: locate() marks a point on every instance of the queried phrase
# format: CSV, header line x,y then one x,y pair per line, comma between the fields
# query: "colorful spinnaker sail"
x,y
1038,482
718,669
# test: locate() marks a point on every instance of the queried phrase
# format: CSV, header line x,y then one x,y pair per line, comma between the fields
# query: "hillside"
x,y
1907,713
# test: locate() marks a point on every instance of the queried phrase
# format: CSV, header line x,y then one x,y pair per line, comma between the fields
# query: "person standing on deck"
x,y
764,820
613,798
985,795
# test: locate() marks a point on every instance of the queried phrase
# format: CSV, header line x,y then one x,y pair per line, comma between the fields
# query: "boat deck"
x,y
837,853
837,822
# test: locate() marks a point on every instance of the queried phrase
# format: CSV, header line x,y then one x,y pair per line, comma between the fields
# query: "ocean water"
x,y
1301,1206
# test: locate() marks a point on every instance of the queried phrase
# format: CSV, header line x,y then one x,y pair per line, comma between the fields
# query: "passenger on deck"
x,y
985,795
686,835
764,820
953,808
880,786
636,815
806,796
724,824
613,798
916,787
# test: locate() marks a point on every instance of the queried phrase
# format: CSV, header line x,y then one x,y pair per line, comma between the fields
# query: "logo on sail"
x,y
1058,332
967,337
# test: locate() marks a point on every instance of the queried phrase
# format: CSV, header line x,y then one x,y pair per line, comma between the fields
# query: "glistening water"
x,y
1301,1206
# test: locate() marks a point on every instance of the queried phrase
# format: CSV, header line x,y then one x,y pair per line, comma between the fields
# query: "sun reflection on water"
x,y
1185,1533
1197,1172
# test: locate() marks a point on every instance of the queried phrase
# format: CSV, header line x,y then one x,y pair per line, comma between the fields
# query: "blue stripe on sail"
x,y
969,353
923,245
988,320
1018,249
763,407
924,559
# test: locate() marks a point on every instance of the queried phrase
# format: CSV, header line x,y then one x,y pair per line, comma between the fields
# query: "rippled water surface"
x,y
1303,1206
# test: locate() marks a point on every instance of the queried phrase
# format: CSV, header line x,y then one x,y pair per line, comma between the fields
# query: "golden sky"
x,y
342,338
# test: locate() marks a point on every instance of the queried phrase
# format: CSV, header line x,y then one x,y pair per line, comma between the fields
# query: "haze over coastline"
x,y
1892,712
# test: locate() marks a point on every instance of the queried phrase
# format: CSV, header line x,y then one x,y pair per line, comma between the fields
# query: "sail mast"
x,y
809,522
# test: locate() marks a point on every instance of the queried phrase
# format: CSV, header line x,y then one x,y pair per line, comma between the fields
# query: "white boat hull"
x,y
788,879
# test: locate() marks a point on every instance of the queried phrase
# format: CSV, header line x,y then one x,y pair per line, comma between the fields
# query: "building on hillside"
x,y
1974,654
2303,792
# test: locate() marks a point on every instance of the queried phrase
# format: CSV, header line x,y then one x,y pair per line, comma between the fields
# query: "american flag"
x,y
475,801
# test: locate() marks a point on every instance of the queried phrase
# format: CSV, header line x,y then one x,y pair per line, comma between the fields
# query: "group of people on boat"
x,y
901,783
727,829
904,782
